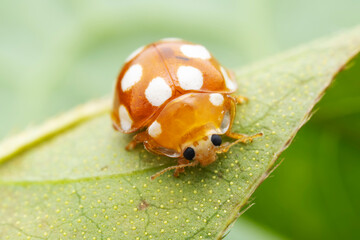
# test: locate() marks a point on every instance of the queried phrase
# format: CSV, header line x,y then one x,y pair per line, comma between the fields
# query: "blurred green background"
x,y
55,55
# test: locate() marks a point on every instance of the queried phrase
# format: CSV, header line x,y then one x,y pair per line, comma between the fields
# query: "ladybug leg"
x,y
131,145
181,161
138,138
240,138
240,99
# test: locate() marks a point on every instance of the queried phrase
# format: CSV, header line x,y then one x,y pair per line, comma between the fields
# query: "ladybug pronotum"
x,y
176,96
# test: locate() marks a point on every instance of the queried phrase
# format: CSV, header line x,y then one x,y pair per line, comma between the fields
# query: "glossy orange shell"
x,y
161,61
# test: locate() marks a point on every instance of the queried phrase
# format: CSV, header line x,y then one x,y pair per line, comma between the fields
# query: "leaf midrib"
x,y
85,179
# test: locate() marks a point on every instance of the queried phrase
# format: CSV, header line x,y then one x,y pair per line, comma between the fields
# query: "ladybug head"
x,y
204,150
201,152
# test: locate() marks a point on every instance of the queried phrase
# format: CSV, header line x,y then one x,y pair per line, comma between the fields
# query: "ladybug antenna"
x,y
191,164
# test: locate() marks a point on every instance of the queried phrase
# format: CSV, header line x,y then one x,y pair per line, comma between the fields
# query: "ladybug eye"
x,y
189,153
216,140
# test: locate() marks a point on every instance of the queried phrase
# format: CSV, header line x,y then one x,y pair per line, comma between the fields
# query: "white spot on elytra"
x,y
190,78
134,53
155,129
228,82
216,99
132,76
158,91
125,119
195,51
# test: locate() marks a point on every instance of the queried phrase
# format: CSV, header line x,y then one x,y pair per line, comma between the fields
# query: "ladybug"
x,y
177,97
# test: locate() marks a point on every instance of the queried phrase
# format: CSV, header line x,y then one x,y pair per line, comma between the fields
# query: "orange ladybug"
x,y
176,95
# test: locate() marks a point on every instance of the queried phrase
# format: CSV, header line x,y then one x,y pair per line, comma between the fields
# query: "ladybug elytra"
x,y
176,96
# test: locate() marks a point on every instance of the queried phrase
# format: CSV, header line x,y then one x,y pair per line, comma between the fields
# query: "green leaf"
x,y
323,170
72,178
